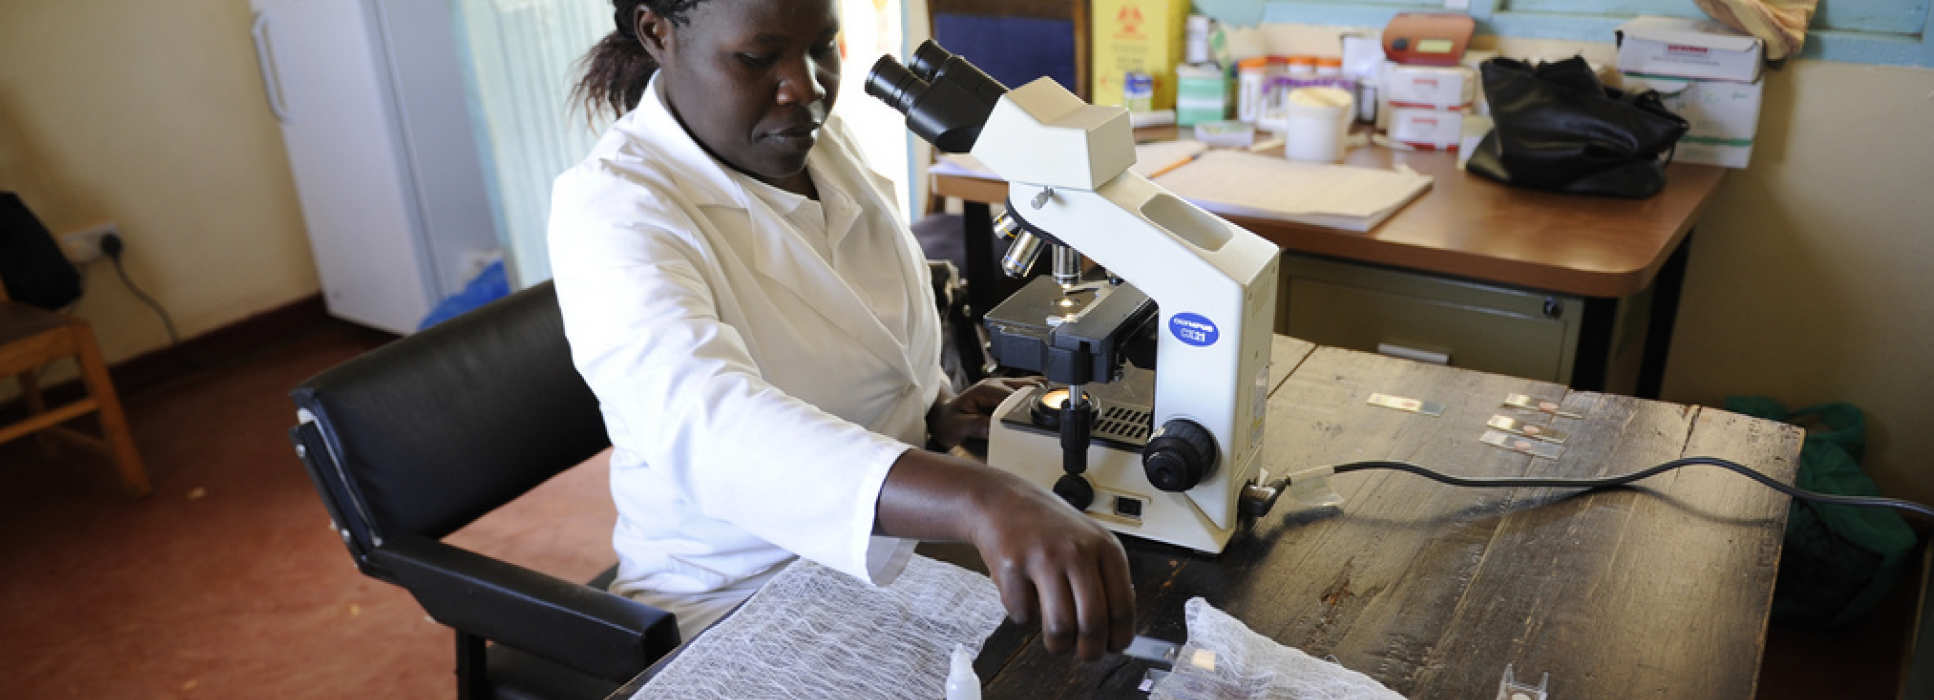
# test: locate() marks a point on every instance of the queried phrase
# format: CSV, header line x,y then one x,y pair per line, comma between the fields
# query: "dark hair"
x,y
617,69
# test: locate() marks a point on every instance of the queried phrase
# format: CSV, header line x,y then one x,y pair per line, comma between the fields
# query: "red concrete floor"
x,y
226,582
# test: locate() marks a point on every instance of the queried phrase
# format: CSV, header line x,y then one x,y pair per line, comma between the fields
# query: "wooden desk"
x,y
1599,250
1661,590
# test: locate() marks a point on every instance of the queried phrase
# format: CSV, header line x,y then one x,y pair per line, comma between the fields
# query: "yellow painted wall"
x,y
152,116
1812,277
1812,274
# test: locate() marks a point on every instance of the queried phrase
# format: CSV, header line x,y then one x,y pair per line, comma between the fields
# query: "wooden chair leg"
x,y
114,424
36,404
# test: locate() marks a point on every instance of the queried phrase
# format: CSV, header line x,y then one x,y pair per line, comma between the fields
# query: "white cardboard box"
x,y
1724,116
1446,87
1687,48
1423,127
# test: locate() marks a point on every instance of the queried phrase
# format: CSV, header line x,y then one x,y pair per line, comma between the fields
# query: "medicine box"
x,y
1424,127
1686,48
1136,35
1724,116
1447,87
1202,94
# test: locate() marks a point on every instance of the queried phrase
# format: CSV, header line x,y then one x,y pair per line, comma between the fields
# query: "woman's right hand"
x,y
1057,566
1052,564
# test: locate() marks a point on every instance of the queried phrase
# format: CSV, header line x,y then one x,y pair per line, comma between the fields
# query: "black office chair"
x,y
420,437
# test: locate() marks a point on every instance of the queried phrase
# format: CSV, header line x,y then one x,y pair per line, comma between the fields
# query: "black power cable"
x,y
1621,480
111,247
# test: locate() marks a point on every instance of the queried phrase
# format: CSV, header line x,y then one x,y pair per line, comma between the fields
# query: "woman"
x,y
760,332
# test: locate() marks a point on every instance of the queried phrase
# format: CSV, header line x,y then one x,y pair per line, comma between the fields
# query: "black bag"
x,y
1559,129
31,264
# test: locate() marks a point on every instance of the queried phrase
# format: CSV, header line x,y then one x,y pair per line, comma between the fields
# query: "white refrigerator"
x,y
372,100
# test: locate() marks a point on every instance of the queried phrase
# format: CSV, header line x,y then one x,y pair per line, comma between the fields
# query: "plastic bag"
x,y
1559,129
1225,660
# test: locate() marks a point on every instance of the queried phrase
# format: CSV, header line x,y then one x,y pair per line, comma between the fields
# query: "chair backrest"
x,y
430,432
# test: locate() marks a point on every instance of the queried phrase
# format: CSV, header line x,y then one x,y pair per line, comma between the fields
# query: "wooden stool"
x,y
30,338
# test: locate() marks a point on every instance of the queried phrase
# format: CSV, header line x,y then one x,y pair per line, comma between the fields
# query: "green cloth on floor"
x,y
1839,561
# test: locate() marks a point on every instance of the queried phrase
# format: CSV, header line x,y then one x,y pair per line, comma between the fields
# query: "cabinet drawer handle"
x,y
1410,353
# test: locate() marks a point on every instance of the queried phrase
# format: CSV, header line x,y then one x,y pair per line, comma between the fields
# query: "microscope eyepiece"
x,y
928,58
893,84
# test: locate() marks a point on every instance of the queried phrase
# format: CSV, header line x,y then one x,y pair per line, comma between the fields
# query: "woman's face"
x,y
752,80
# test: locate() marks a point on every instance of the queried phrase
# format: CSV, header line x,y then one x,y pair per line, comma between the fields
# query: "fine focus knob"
x,y
1076,490
1179,455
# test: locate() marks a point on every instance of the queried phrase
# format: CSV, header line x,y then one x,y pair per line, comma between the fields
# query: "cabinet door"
x,y
329,89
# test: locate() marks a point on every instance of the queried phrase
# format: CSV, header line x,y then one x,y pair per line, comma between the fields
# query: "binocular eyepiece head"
x,y
946,99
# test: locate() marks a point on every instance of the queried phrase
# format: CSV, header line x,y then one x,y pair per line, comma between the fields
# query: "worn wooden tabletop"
x,y
1657,591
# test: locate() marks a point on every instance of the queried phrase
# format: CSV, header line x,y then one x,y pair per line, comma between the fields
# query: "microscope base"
x,y
1124,500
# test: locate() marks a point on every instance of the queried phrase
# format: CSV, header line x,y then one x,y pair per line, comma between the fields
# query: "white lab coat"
x,y
754,399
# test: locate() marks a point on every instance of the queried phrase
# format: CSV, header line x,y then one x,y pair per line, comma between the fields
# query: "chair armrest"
x,y
594,631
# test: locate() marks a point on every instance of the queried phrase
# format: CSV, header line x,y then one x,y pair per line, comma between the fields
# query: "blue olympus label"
x,y
1194,329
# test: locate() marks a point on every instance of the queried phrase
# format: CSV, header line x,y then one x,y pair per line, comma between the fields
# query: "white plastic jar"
x,y
1318,124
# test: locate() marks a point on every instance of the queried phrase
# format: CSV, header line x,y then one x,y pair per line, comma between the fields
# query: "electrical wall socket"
x,y
85,245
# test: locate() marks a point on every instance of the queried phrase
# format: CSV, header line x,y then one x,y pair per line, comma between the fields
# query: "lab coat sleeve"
x,y
645,335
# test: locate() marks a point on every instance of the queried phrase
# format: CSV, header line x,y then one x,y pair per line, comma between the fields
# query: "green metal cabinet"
x,y
1472,325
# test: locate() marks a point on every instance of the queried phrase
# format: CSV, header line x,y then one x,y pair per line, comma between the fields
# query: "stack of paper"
x,y
1149,157
1235,183
1239,183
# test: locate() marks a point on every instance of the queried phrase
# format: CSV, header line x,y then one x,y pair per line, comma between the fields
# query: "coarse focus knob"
x,y
1075,489
1179,455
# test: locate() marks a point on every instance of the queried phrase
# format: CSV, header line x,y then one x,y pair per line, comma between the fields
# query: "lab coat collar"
x,y
702,178
781,254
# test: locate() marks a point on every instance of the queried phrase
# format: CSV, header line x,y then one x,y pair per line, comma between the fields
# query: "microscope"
x,y
1158,357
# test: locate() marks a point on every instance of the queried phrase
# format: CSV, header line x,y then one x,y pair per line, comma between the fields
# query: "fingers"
x,y
1017,594
1058,612
988,394
1091,603
1006,385
1121,597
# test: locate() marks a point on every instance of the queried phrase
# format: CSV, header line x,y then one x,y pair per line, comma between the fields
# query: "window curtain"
x,y
522,59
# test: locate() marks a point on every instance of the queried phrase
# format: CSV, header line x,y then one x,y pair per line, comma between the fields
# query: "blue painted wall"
x,y
1862,31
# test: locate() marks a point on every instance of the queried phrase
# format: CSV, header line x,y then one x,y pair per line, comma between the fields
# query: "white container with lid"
x,y
1318,124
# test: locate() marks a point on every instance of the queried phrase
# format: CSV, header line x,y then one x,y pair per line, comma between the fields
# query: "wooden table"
x,y
1658,591
1598,248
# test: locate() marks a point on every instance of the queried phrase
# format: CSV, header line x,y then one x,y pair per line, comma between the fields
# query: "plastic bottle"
x,y
962,684
1196,46
1252,75
1329,71
1302,71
